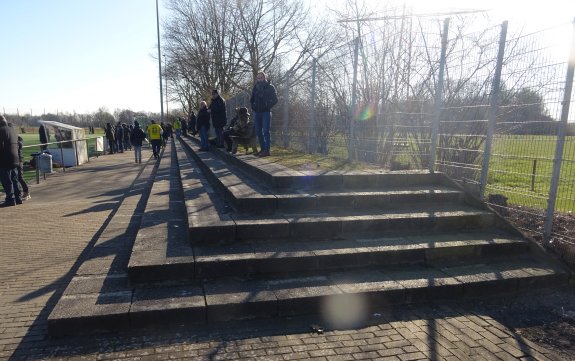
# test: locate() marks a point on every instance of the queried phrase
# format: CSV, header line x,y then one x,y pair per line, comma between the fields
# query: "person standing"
x,y
177,127
126,130
9,164
23,184
184,126
192,123
111,138
119,138
203,126
219,118
137,137
155,136
263,98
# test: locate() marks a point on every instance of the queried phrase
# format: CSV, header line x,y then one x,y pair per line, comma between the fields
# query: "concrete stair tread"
x,y
239,299
260,258
283,249
277,176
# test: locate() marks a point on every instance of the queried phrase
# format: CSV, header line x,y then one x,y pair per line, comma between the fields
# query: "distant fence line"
x,y
491,111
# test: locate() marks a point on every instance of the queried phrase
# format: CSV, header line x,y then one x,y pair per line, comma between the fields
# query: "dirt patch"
x,y
546,318
531,221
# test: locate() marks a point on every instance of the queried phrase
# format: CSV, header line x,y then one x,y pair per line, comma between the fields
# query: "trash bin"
x,y
45,163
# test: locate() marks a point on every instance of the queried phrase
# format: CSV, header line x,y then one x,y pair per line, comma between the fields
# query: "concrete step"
x,y
233,228
343,299
247,195
278,177
278,259
288,256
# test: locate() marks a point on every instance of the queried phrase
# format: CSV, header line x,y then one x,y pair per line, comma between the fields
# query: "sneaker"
x,y
26,196
264,153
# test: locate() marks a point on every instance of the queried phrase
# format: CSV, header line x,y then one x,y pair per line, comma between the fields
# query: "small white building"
x,y
72,153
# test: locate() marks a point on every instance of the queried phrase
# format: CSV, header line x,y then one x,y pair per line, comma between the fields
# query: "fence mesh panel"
x,y
374,99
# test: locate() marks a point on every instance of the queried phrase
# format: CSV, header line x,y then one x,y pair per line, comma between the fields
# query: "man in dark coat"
x,y
264,97
219,118
9,162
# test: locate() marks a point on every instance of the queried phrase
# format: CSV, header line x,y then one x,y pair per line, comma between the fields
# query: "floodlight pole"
x,y
159,64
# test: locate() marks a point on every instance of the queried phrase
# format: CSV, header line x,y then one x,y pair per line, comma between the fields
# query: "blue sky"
x,y
80,55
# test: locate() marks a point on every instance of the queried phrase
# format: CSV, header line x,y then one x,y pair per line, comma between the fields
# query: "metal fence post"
x,y
311,132
492,114
286,113
438,98
558,159
352,110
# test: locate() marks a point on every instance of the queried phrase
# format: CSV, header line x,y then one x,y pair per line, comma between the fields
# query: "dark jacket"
x,y
20,147
137,136
264,97
110,132
203,119
8,147
218,112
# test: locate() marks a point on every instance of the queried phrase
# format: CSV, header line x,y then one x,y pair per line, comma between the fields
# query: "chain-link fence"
x,y
487,108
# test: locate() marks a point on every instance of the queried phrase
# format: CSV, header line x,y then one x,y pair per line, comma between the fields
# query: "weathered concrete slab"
x,y
244,300
301,296
168,305
224,261
90,313
252,227
283,258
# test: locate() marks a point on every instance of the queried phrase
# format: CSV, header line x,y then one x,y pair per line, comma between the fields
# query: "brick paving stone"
x,y
412,356
371,355
358,343
346,357
390,352
322,352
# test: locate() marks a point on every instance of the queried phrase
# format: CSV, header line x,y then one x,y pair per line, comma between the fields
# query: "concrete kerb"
x,y
99,296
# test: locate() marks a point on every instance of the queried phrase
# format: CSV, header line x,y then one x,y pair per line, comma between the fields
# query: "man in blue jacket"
x,y
9,162
264,97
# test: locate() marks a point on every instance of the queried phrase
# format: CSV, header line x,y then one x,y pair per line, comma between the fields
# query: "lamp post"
x,y
166,75
159,63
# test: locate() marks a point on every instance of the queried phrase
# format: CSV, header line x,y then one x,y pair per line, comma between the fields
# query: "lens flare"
x,y
367,112
344,311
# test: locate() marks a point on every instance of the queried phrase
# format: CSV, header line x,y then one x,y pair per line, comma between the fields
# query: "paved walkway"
x,y
43,242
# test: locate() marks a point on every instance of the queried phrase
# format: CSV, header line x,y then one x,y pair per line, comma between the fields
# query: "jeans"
x,y
21,180
262,122
156,145
204,138
112,146
138,153
219,136
178,132
9,178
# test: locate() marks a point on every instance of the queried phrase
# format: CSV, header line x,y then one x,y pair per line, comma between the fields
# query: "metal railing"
x,y
72,144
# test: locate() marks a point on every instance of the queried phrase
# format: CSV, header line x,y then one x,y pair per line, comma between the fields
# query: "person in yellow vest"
x,y
177,125
155,136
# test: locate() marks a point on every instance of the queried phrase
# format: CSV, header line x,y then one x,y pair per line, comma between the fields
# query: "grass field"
x,y
521,168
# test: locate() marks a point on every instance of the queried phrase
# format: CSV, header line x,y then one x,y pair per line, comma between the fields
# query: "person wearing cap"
x,y
9,162
263,98
217,112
